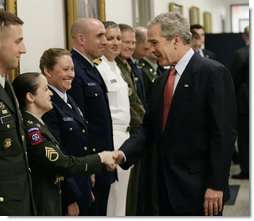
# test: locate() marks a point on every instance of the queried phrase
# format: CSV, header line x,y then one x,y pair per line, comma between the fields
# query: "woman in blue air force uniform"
x,y
69,125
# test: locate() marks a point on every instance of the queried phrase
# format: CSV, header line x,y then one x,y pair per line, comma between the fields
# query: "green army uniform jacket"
x,y
49,166
149,75
137,110
15,180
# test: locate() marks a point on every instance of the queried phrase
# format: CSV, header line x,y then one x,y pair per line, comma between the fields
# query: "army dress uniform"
x,y
136,107
137,113
15,181
49,165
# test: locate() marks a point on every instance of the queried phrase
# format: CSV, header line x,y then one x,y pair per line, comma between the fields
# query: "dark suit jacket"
x,y
49,164
240,73
15,180
194,151
90,93
70,129
208,54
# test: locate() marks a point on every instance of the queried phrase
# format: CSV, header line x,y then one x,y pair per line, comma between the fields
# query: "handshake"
x,y
111,159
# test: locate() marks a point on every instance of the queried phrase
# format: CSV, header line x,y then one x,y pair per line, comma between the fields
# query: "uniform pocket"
x,y
10,142
93,91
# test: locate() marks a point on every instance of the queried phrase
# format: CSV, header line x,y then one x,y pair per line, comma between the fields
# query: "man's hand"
x,y
107,159
118,156
92,180
72,209
213,202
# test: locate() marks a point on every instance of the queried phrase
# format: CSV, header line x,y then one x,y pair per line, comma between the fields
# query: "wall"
x,y
119,11
220,10
44,27
45,21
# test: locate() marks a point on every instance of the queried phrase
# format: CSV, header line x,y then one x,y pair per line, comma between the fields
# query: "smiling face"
x,y
113,47
41,98
128,44
62,74
163,49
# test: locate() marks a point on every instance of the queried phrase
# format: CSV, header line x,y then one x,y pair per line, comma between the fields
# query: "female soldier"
x,y
48,163
69,126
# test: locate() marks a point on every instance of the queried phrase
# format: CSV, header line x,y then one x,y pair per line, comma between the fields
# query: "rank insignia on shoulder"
x,y
30,122
34,136
51,154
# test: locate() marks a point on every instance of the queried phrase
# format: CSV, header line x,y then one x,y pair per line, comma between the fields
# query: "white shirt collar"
x,y
2,81
181,65
84,57
61,94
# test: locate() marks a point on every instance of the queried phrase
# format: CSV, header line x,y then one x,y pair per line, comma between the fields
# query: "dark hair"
x,y
7,19
195,35
196,26
24,83
49,57
110,24
125,27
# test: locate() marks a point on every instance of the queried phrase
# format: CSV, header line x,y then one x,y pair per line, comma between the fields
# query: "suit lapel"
x,y
182,91
72,112
91,70
77,114
7,99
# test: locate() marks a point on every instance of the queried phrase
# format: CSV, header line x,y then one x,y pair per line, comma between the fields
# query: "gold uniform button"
x,y
94,149
71,129
1,199
8,126
85,148
83,131
96,95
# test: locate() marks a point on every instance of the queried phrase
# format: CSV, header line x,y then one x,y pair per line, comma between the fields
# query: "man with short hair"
x,y
192,122
15,180
90,93
200,30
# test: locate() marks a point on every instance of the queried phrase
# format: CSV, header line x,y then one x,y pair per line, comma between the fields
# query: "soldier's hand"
x,y
107,159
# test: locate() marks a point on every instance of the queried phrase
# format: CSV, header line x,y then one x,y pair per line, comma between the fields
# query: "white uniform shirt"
x,y
117,92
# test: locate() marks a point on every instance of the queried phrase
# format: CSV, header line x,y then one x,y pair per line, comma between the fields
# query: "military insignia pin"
x,y
51,154
2,106
7,143
130,92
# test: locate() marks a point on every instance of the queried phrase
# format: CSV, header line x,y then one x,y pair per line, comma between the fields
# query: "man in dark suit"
x,y
195,146
199,29
90,93
15,181
240,74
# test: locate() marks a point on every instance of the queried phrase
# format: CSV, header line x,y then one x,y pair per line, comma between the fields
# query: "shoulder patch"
x,y
34,136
